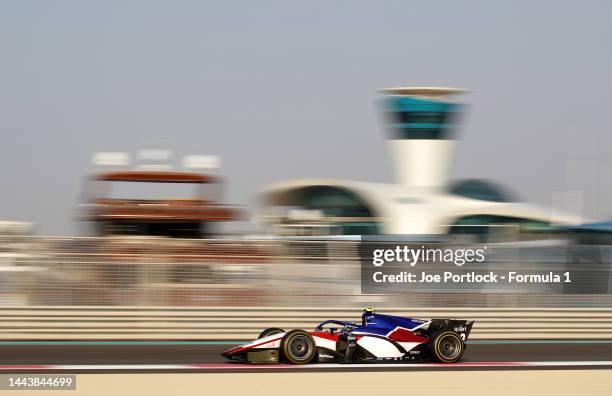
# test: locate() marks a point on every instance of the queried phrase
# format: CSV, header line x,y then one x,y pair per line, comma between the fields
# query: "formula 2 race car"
x,y
377,338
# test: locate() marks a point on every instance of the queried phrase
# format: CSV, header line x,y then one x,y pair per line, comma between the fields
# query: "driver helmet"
x,y
367,313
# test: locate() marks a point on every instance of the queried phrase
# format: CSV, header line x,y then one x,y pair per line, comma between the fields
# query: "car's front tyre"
x,y
298,347
446,347
269,332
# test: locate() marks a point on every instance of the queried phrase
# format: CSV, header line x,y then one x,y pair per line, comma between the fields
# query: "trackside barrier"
x,y
237,323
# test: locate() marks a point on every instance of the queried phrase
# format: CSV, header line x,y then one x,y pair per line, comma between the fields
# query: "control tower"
x,y
422,122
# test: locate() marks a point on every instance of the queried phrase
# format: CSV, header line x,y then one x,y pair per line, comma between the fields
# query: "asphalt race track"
x,y
173,356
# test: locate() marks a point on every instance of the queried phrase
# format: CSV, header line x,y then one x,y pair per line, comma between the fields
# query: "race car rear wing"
x,y
463,327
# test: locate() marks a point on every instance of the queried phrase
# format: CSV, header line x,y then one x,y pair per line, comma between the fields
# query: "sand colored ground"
x,y
517,382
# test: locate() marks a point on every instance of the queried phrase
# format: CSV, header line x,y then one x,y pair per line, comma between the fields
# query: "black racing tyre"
x,y
446,347
269,332
298,347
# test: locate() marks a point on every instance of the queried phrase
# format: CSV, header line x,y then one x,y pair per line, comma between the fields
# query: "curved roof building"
x,y
422,126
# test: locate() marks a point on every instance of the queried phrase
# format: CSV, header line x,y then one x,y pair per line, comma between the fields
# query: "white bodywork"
x,y
377,346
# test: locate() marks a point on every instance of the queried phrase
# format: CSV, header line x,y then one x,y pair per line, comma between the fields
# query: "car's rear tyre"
x,y
298,347
269,332
446,347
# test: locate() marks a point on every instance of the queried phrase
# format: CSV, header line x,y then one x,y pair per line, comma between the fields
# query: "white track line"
x,y
204,367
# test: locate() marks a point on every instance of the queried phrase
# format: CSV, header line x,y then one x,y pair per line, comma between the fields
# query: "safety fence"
x,y
160,272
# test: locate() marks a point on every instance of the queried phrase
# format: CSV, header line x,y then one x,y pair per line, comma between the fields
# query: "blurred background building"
x,y
153,199
422,128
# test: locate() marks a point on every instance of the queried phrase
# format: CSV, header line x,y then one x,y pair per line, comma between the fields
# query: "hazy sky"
x,y
286,90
